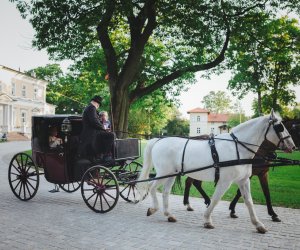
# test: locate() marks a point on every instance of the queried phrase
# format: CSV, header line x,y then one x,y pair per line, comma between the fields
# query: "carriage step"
x,y
55,190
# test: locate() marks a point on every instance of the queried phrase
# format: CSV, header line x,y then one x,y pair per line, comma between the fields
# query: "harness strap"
x,y
242,144
182,160
235,139
215,156
222,164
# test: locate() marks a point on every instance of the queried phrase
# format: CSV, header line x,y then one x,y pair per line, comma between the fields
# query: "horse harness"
x,y
262,159
214,153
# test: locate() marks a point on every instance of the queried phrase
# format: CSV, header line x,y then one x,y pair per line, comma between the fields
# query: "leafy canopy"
x,y
267,61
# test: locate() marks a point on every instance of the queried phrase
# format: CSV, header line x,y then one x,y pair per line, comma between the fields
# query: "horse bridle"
x,y
278,128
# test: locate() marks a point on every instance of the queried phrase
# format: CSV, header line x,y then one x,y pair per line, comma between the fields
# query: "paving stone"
x,y
63,221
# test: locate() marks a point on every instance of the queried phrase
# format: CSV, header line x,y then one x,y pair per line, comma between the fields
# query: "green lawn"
x,y
284,183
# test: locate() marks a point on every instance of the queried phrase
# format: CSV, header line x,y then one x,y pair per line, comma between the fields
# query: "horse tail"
x,y
143,187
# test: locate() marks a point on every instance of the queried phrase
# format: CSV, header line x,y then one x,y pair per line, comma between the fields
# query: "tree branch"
x,y
242,12
139,92
109,51
139,36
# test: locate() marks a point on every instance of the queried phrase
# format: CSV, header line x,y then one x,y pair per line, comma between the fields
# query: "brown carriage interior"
x,y
57,162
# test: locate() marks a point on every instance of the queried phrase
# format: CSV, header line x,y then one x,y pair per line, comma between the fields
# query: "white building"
x,y
203,122
21,97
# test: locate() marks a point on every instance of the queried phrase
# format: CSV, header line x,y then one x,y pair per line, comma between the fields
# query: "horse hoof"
x,y
261,230
189,208
233,215
275,219
171,219
208,225
151,211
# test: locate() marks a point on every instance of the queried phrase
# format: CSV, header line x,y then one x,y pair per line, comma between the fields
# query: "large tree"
x,y
194,34
217,102
267,64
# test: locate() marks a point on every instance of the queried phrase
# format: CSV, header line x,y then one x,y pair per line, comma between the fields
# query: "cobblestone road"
x,y
63,221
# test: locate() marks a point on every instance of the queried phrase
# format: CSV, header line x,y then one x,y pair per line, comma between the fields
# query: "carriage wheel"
x,y
129,191
100,189
23,176
70,187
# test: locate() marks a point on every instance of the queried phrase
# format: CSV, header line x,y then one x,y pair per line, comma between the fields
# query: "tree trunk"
x,y
259,107
120,111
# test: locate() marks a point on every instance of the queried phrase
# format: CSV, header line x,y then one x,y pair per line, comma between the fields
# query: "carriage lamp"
x,y
66,126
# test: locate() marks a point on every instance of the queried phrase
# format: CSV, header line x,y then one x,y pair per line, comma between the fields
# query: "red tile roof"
x,y
218,117
198,110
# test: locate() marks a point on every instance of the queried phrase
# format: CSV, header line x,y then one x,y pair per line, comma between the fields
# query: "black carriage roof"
x,y
49,116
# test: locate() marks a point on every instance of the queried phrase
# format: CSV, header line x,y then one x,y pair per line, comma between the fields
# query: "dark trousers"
x,y
104,142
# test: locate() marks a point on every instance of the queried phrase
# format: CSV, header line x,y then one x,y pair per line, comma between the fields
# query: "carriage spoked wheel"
x,y
23,176
100,189
129,191
70,187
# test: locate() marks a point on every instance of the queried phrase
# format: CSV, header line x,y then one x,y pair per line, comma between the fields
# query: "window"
x,y
23,116
13,89
198,118
35,93
23,91
198,130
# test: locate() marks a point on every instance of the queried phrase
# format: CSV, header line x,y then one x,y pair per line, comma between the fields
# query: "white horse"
x,y
166,155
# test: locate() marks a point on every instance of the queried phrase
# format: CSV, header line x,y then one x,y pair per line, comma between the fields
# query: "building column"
x,y
1,118
5,119
10,118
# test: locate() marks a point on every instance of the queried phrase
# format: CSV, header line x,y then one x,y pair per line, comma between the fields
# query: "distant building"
x,y
203,121
21,97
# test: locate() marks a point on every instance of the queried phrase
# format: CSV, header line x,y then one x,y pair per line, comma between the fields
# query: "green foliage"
x,y
147,44
266,61
217,102
72,91
178,126
236,119
50,73
149,116
296,112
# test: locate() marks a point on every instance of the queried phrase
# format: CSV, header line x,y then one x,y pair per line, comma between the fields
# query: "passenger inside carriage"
x,y
54,140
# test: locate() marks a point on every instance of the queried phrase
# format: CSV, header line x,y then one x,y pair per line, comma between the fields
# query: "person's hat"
x,y
97,99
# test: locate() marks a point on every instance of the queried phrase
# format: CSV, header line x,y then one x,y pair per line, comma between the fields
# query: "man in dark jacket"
x,y
94,139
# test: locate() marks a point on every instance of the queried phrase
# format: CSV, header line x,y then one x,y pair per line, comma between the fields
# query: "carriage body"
x,y
62,164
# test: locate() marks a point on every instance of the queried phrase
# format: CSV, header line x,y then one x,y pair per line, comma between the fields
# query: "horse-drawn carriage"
x,y
100,183
227,159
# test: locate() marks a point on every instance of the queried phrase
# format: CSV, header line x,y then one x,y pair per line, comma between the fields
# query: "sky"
x,y
16,52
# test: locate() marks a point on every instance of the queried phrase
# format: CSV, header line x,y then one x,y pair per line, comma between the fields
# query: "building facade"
x,y
21,97
203,122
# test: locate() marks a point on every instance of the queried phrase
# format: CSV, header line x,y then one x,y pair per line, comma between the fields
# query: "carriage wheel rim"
x,y
71,187
129,191
100,194
23,177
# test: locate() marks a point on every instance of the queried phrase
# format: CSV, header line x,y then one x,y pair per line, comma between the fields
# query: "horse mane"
x,y
249,122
